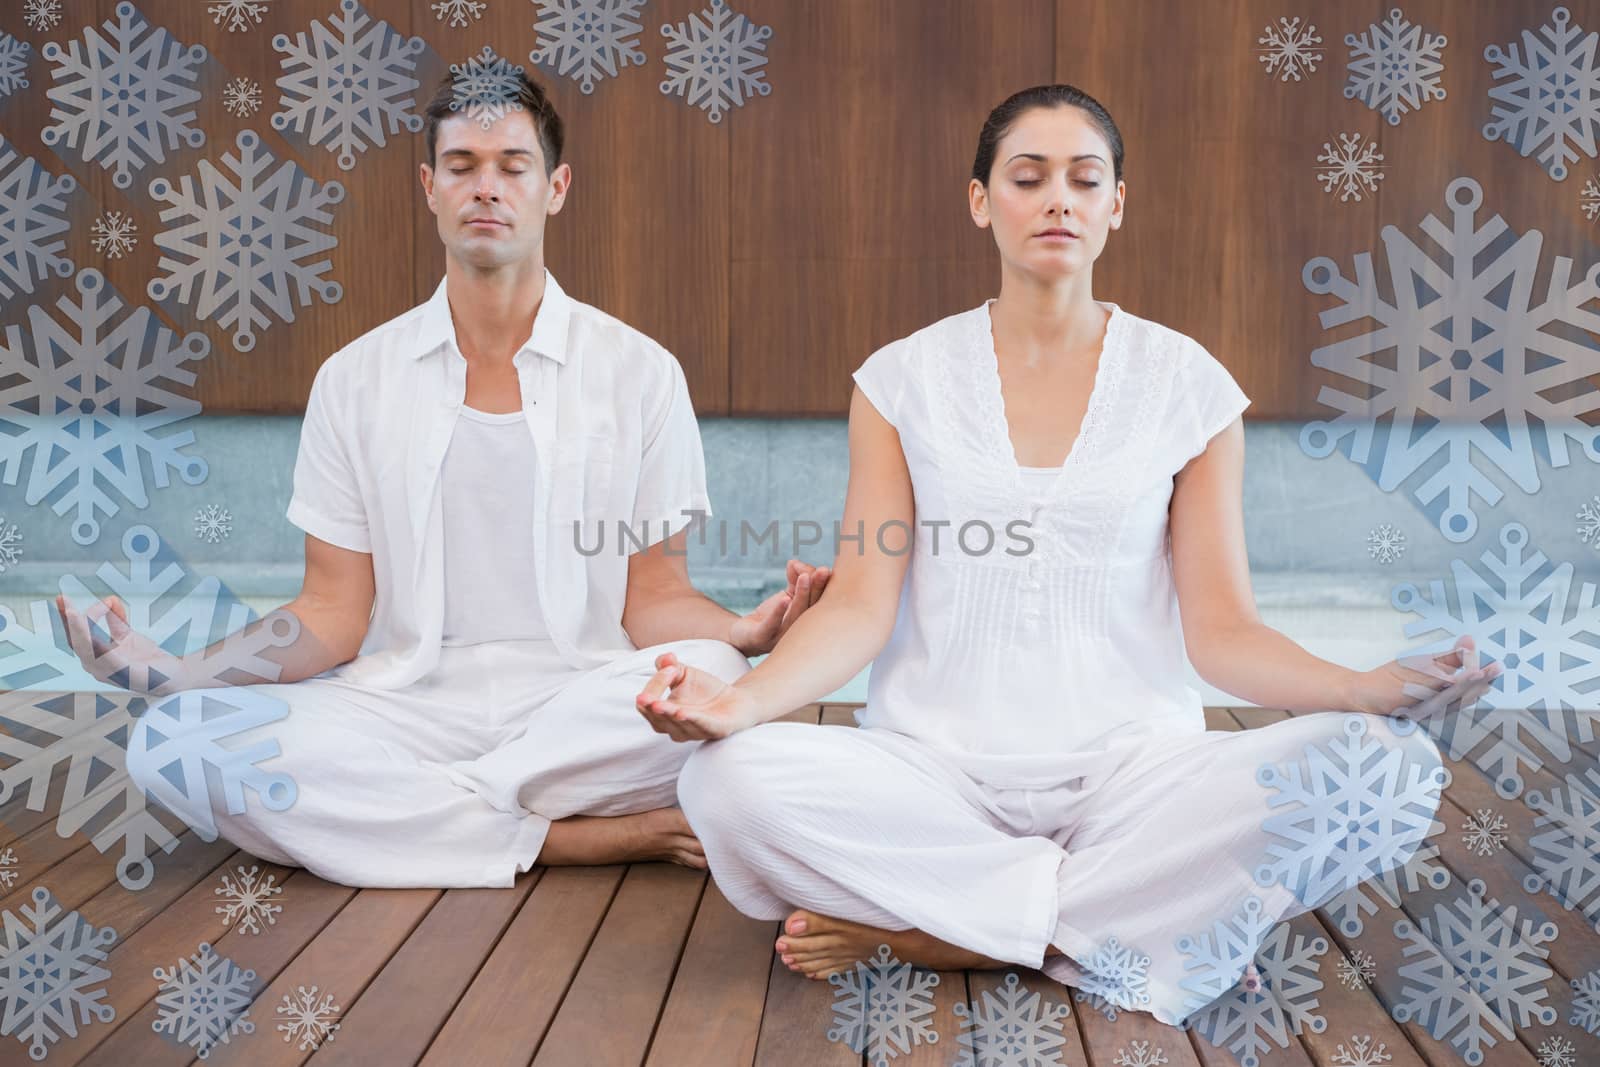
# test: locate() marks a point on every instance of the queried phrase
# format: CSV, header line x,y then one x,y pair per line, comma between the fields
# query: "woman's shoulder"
x,y
941,336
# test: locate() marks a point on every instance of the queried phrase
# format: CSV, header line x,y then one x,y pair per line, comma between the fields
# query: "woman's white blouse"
x,y
1044,649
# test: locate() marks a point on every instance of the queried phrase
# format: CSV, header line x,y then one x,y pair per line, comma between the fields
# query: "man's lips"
x,y
484,222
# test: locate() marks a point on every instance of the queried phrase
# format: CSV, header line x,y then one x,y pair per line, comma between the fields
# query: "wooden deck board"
x,y
650,965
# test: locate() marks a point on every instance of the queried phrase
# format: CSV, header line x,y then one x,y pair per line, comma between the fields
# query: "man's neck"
x,y
493,311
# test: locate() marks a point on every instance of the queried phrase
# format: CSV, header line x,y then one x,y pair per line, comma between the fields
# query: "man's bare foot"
x,y
818,946
661,834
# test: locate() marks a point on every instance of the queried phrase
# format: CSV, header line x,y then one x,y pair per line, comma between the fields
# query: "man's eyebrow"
x,y
1037,158
503,152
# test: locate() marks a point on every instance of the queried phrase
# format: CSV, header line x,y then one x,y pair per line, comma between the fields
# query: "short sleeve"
x,y
880,381
326,502
1212,397
672,470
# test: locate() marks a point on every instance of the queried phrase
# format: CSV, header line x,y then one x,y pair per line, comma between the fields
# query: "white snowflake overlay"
x,y
204,1000
10,544
1139,1054
247,899
118,98
1486,832
1589,523
1522,614
715,59
346,82
883,1007
241,97
1551,102
1357,969
1395,67
213,523
1589,199
485,87
50,968
1010,1027
1352,168
1116,980
115,234
1566,844
1361,1053
458,11
1557,1052
13,64
587,40
32,222
91,398
1386,544
1287,50
1465,363
8,868
310,1019
240,14
1243,1020
1586,1002
41,15
1351,809
1474,968
244,245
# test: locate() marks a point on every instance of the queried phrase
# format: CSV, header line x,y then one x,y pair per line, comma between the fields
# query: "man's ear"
x,y
425,173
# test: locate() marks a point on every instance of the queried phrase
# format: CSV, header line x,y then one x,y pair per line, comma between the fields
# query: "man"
x,y
462,670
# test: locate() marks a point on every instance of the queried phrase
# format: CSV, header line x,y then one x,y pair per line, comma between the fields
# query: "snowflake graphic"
x,y
10,544
50,966
1139,1054
1557,1052
883,1007
1523,616
1589,523
587,40
1352,167
1357,969
248,900
241,97
1589,199
1486,832
1287,50
246,242
1010,1027
239,13
458,11
212,523
1361,1053
1474,968
1465,366
1116,981
32,220
1351,907
309,1019
485,87
1586,1002
1552,100
1241,1019
8,873
344,84
92,390
1566,844
1395,67
715,59
118,101
41,15
1349,810
1386,544
204,1000
115,234
13,64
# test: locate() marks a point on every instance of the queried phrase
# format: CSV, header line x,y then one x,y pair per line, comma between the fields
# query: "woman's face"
x,y
1052,173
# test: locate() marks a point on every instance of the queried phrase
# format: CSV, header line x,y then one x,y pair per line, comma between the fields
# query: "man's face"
x,y
489,190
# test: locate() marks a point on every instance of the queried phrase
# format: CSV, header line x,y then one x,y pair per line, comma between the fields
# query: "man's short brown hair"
x,y
517,89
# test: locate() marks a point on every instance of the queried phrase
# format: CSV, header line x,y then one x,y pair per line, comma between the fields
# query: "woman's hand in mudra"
x,y
688,704
1423,685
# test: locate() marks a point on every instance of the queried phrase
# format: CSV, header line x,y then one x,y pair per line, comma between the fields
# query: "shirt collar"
x,y
549,336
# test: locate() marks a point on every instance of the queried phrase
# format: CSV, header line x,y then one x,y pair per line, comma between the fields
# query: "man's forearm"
x,y
679,617
1262,665
292,643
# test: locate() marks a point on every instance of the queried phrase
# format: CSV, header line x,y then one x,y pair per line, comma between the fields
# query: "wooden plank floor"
x,y
648,964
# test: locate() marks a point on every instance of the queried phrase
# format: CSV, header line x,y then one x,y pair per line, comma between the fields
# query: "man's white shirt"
x,y
614,440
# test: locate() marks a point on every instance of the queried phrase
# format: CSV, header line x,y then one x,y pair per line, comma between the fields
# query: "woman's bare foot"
x,y
662,834
818,946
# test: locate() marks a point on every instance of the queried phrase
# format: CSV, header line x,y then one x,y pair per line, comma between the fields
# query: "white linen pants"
x,y
454,780
1147,838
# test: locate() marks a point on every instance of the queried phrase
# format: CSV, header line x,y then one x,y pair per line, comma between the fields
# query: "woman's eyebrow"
x,y
1037,158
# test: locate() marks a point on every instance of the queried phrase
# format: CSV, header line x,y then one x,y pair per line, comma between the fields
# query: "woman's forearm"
x,y
825,648
1262,665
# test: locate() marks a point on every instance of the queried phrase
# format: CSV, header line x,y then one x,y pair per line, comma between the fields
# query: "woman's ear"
x,y
978,203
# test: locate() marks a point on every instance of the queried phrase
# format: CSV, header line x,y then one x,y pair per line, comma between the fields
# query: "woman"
x,y
1032,781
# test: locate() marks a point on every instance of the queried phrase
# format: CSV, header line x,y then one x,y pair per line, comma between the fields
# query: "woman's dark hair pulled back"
x,y
1003,117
